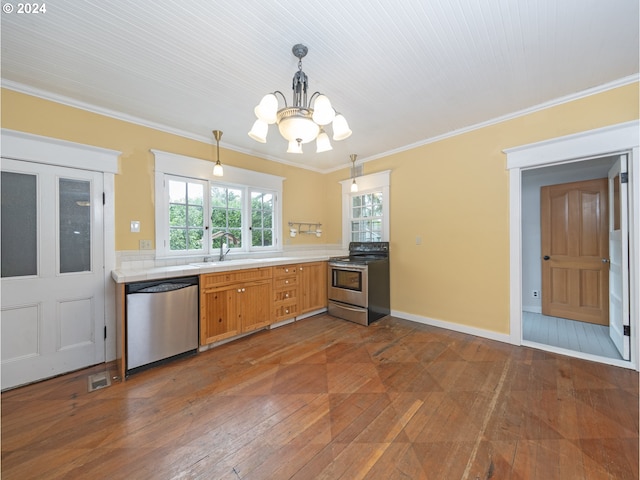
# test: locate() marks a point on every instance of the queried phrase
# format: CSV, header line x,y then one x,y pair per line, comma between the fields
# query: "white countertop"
x,y
197,268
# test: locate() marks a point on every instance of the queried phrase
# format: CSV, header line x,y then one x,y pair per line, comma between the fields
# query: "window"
x,y
186,215
366,217
365,214
262,233
226,214
192,207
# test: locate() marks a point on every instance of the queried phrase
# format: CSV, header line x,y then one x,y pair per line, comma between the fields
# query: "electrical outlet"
x,y
535,294
145,244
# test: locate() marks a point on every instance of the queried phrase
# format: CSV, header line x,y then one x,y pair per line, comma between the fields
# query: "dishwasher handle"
x,y
164,287
160,286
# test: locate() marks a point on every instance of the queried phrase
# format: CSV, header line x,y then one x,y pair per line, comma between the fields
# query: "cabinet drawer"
x,y
286,311
216,279
284,270
286,294
285,282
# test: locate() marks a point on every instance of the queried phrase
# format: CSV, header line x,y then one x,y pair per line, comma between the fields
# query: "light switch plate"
x,y
135,226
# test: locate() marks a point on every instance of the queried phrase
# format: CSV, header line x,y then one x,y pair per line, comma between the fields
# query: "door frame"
x,y
611,140
28,147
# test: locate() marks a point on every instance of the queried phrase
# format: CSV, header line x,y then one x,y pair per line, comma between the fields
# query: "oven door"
x,y
348,284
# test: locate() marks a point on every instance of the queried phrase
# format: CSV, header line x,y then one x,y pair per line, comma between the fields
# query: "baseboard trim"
x,y
456,327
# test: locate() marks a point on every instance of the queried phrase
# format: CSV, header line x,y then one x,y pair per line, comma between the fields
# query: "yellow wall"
x,y
452,193
134,186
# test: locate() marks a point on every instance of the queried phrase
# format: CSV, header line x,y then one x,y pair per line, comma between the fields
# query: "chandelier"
x,y
304,120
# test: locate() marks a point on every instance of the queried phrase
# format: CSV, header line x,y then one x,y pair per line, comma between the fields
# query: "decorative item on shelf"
x,y
217,168
305,227
354,185
304,120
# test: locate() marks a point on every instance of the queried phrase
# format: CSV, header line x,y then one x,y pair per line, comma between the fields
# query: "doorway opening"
x,y
579,151
539,326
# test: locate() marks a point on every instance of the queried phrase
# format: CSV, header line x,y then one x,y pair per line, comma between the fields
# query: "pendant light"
x,y
217,168
354,185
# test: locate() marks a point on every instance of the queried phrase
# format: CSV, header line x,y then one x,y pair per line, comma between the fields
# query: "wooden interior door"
x,y
575,251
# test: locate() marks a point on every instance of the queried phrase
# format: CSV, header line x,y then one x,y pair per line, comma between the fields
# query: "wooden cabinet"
x,y
234,302
285,290
312,280
298,289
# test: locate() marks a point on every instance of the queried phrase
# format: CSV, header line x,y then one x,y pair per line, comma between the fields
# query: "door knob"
x,y
605,260
546,257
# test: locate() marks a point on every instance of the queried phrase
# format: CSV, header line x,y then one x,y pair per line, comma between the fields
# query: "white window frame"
x,y
375,182
190,168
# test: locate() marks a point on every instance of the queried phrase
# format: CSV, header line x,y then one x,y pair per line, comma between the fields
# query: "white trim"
x,y
581,355
52,151
175,164
366,183
456,327
574,148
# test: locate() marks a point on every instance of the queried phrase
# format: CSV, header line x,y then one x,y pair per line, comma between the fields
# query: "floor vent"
x,y
99,380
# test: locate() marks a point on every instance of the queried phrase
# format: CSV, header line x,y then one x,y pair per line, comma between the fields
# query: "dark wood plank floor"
x,y
327,399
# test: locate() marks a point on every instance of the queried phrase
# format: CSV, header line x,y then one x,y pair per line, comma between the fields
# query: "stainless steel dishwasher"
x,y
161,321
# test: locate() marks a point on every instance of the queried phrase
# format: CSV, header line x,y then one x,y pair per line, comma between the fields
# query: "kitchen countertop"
x,y
198,268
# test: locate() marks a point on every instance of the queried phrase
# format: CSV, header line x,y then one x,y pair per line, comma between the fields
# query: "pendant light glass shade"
x,y
322,142
323,112
340,128
259,131
267,109
294,147
354,186
218,170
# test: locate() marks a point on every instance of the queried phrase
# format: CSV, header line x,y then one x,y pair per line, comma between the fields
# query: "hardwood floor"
x,y
327,399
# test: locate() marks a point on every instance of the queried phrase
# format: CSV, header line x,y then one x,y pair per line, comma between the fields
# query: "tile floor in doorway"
x,y
572,335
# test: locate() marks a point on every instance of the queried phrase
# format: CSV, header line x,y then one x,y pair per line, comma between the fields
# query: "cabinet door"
x,y
254,305
313,286
218,315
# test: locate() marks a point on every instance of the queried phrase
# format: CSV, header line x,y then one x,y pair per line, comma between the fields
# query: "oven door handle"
x,y
348,307
348,268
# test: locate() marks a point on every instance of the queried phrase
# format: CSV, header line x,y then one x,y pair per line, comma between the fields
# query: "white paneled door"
x,y
52,271
619,258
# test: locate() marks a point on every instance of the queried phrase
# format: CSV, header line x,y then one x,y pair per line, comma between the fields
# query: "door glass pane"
x,y
19,225
75,225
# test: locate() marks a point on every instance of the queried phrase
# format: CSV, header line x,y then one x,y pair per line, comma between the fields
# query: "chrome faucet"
x,y
221,236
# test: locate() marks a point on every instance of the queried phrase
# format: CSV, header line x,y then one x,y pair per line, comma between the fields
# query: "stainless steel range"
x,y
359,283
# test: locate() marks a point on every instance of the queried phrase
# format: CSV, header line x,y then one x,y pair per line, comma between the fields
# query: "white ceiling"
x,y
402,72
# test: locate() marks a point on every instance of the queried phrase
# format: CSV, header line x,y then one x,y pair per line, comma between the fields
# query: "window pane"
x,y
226,215
195,218
19,225
186,213
75,225
177,191
196,194
178,239
178,215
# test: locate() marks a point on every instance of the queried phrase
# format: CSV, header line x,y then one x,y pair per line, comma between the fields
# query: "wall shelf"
x,y
309,228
